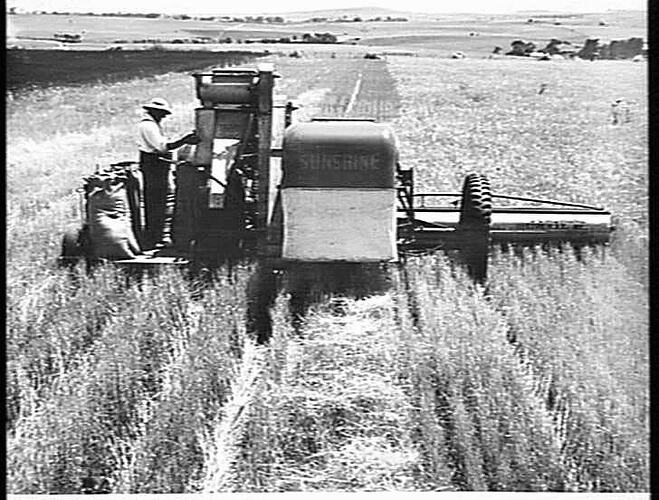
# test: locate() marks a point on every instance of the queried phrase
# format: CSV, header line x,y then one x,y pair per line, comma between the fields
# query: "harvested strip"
x,y
335,414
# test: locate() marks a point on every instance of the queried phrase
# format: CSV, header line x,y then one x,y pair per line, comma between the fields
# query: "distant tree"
x,y
12,10
357,19
319,38
521,48
152,15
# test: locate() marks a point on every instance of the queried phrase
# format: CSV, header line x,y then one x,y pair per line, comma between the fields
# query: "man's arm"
x,y
186,139
152,136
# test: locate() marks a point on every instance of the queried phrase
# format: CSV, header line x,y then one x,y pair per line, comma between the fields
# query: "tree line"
x,y
228,19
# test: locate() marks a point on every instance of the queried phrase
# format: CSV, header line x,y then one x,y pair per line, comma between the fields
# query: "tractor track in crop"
x,y
374,94
360,89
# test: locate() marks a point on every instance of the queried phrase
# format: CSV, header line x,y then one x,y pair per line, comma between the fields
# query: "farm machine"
x,y
261,186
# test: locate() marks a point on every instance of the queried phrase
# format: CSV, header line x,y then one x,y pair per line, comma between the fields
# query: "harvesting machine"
x,y
261,185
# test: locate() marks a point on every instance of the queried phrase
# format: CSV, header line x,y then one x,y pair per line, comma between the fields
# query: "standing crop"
x,y
537,383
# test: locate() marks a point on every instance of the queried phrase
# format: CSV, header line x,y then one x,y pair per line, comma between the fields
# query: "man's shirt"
x,y
151,139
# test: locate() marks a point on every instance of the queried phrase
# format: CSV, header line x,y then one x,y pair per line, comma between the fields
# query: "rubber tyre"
x,y
475,218
476,208
262,290
71,249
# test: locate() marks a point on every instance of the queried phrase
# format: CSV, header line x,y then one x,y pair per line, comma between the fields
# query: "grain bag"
x,y
110,226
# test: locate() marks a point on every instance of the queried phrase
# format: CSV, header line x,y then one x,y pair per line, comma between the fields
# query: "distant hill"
x,y
352,11
471,34
363,12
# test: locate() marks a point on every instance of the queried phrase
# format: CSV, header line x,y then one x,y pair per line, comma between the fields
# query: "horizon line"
x,y
220,14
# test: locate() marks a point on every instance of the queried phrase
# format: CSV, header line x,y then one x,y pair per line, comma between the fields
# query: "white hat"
x,y
158,103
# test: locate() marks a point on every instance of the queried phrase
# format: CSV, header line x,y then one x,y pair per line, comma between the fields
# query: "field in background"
x,y
539,384
532,128
443,34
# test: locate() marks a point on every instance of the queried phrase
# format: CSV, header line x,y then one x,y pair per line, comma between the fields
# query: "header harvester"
x,y
260,185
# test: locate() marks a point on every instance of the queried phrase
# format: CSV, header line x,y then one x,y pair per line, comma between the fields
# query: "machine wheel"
x,y
262,289
475,217
71,249
476,209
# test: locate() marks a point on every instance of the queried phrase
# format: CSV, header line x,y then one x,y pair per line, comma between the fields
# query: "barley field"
x,y
538,382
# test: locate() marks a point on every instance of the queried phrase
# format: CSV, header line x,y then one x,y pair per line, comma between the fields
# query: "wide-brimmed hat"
x,y
158,103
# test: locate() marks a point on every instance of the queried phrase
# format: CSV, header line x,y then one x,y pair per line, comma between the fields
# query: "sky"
x,y
220,7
